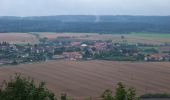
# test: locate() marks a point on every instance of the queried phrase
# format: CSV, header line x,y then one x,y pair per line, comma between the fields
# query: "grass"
x,y
151,35
144,48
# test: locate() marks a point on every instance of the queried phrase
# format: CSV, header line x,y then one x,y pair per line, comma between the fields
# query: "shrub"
x,y
21,88
121,93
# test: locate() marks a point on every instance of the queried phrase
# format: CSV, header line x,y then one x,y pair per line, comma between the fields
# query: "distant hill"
x,y
83,23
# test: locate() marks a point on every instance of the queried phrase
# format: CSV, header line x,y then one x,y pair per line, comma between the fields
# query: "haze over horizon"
x,y
84,7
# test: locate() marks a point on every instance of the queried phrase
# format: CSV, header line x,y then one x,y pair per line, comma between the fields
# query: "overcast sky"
x,y
83,7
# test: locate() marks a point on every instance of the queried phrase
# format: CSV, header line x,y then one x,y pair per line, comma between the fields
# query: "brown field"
x,y
18,38
90,78
55,35
131,38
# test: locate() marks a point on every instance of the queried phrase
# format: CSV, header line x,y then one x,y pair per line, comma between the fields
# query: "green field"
x,y
151,35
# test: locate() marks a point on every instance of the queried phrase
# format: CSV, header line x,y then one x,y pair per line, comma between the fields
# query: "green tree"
x,y
120,92
107,95
21,88
131,93
63,96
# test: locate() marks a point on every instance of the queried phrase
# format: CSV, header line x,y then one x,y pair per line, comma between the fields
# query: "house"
x,y
73,55
58,57
156,57
75,43
100,45
84,45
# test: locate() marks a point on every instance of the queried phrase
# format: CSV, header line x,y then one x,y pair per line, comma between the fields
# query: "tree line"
x,y
90,24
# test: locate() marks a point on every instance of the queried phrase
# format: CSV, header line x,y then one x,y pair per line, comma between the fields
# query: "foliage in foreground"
x,y
121,93
21,88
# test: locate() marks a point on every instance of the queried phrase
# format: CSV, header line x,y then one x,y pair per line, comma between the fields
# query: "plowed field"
x,y
91,78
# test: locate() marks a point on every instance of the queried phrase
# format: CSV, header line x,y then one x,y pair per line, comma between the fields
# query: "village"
x,y
66,48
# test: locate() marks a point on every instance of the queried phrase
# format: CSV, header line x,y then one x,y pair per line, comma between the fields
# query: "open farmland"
x,y
18,38
91,78
148,38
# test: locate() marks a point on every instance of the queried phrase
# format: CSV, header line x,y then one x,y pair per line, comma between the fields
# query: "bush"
x,y
21,88
121,93
107,95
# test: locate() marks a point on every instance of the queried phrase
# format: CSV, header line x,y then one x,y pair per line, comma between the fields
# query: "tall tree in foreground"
x,y
107,95
21,88
131,93
121,93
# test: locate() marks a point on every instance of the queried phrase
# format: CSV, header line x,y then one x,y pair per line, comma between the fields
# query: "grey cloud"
x,y
83,7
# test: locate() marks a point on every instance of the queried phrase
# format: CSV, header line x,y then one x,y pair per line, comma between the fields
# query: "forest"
x,y
87,24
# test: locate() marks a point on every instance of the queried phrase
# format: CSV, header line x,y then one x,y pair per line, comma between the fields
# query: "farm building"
x,y
157,57
73,55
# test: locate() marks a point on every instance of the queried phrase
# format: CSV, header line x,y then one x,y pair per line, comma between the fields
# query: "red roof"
x,y
156,55
75,43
